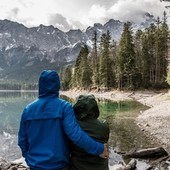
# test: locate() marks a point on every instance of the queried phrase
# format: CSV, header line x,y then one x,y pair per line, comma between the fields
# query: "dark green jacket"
x,y
87,113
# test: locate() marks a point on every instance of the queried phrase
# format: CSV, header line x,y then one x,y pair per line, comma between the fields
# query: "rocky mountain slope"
x,y
25,52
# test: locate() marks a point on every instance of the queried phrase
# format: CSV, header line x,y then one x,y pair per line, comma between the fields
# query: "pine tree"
x,y
112,57
77,70
82,72
95,61
67,79
85,72
138,58
146,62
106,77
158,54
164,49
168,76
126,59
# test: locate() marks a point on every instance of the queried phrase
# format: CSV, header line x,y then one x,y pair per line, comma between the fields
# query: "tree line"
x,y
138,60
17,85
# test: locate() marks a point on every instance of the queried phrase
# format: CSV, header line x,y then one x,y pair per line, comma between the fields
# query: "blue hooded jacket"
x,y
45,126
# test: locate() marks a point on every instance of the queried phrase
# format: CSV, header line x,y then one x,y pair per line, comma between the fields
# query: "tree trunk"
x,y
147,153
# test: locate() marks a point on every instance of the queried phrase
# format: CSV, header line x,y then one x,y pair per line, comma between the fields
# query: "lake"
x,y
124,133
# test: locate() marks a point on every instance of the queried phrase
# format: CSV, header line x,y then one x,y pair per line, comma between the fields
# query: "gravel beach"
x,y
156,120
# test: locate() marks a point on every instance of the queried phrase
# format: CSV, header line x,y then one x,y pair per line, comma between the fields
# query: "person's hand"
x,y
104,155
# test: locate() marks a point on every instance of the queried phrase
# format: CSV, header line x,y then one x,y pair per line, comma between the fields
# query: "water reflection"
x,y
16,94
125,135
11,106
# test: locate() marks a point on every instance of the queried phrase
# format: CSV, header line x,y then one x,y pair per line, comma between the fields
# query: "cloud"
x,y
96,14
76,14
12,14
60,22
124,10
133,10
97,11
77,24
15,11
64,24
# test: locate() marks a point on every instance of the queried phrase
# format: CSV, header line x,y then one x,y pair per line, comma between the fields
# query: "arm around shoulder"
x,y
77,135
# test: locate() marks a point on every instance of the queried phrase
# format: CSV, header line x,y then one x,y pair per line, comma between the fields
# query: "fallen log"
x,y
147,153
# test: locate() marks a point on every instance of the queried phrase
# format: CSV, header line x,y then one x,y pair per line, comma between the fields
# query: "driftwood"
x,y
122,166
131,165
147,153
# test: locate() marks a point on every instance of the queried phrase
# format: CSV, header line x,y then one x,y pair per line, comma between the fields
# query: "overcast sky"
x,y
77,14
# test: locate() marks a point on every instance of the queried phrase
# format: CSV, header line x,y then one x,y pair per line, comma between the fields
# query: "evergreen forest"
x,y
138,61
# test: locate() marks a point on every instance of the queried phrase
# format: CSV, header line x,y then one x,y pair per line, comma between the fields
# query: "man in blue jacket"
x,y
45,126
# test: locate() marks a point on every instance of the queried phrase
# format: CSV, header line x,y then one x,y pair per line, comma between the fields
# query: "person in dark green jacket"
x,y
87,113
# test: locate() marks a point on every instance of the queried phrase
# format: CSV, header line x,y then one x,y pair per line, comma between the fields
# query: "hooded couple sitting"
x,y
87,112
47,124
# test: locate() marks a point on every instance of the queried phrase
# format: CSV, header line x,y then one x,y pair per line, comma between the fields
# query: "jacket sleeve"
x,y
77,135
106,132
22,136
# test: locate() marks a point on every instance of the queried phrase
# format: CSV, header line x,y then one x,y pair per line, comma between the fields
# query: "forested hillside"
x,y
138,60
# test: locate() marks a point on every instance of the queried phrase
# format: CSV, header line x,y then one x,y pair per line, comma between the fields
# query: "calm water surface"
x,y
124,133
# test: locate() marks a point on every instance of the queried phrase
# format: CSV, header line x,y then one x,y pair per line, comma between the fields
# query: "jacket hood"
x,y
49,83
86,107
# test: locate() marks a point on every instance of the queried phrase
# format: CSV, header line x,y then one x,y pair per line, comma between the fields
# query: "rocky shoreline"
x,y
156,120
5,165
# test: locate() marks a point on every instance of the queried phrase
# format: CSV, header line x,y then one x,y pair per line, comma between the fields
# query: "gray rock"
x,y
5,165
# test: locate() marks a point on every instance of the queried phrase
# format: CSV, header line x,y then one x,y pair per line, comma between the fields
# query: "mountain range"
x,y
25,52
